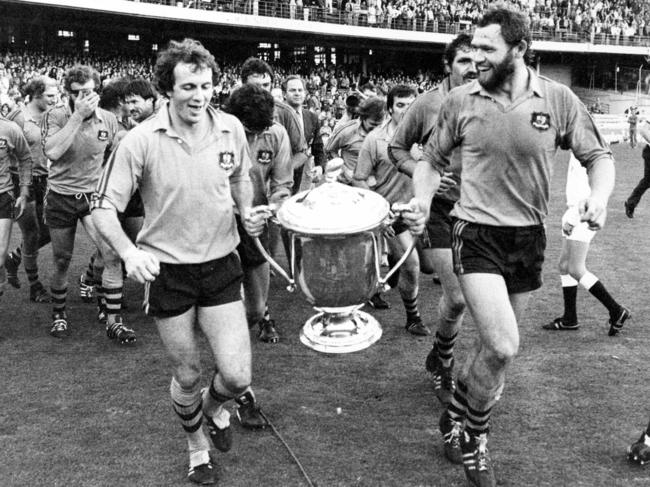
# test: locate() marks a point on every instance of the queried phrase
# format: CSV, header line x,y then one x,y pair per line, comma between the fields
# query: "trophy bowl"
x,y
336,243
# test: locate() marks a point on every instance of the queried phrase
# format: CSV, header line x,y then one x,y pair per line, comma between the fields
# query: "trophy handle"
x,y
397,209
292,283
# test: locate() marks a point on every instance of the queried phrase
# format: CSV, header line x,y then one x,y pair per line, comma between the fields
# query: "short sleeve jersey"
x,y
508,153
13,146
374,161
32,131
271,170
416,127
347,138
79,168
186,191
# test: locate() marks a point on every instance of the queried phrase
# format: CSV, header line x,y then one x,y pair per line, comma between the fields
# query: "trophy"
x,y
336,243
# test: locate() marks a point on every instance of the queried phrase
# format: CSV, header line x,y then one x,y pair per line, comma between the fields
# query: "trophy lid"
x,y
333,209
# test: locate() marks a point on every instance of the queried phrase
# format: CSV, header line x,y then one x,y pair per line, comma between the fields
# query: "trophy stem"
x,y
341,331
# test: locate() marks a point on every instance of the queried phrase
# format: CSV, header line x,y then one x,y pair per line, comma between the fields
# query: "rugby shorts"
x,y
180,287
437,234
65,210
248,253
516,253
7,209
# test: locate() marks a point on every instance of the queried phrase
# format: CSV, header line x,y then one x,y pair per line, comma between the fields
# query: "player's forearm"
x,y
242,194
56,145
109,228
426,181
601,178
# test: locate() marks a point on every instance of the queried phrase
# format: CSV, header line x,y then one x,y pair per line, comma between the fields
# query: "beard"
x,y
499,73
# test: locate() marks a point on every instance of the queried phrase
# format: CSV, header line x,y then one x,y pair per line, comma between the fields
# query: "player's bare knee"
x,y
62,261
187,375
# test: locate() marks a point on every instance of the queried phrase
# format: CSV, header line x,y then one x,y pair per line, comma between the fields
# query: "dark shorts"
x,y
399,226
64,211
248,253
516,253
179,287
7,202
135,207
438,228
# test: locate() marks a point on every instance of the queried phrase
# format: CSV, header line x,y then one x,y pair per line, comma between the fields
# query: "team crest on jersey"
x,y
227,160
102,135
264,156
3,143
541,121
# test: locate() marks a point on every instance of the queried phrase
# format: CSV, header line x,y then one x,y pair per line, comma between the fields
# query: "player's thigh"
x,y
489,303
226,329
178,336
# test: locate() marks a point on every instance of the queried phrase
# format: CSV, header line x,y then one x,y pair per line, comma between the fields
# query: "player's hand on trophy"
x,y
593,210
141,265
414,216
446,183
254,219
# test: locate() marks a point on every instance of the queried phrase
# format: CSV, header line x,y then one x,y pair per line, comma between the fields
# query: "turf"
x,y
87,412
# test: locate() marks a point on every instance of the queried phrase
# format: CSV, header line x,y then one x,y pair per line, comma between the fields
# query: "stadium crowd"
x,y
599,21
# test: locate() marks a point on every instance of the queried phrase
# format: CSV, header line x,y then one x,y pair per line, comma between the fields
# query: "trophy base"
x,y
340,332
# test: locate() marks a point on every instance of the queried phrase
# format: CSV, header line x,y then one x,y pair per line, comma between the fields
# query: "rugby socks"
x,y
112,300
445,347
213,402
477,421
31,268
16,255
570,294
457,408
597,289
267,315
89,276
58,299
188,406
411,307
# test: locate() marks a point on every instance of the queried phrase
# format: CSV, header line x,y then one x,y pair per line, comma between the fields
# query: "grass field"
x,y
86,412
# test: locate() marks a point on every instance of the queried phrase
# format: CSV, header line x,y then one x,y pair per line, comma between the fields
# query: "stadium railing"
x,y
360,18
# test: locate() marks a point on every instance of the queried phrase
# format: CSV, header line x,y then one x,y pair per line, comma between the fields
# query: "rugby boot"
x,y
451,433
639,452
476,460
415,326
249,413
118,331
11,266
378,302
38,293
443,377
59,325
616,322
267,331
561,324
204,474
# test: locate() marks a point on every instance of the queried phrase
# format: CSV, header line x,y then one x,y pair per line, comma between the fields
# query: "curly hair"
x,y
461,41
255,65
37,86
253,106
187,51
515,27
372,108
81,74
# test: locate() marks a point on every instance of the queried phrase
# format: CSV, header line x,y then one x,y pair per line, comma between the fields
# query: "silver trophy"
x,y
336,242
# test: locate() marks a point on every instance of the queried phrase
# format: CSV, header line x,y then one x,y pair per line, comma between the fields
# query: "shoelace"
x,y
453,437
482,453
59,325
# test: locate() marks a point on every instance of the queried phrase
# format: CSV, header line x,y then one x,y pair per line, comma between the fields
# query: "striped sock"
x,y
112,300
58,299
188,406
213,402
89,276
31,268
478,421
457,408
411,307
445,347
